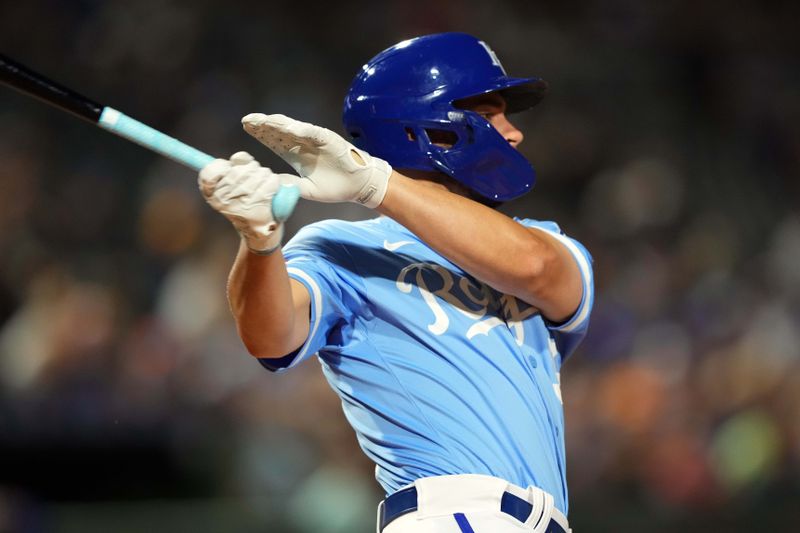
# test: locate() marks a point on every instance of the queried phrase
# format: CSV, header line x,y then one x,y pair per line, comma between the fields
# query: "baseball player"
x,y
441,325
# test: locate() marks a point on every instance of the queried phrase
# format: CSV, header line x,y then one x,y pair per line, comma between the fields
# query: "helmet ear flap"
x,y
442,138
430,136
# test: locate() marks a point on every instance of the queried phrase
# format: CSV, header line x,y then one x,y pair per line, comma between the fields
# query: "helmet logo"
x,y
492,56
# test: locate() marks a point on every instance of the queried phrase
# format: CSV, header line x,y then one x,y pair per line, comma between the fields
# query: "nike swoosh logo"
x,y
392,246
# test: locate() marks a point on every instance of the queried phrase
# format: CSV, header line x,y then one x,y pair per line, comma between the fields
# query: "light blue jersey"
x,y
438,373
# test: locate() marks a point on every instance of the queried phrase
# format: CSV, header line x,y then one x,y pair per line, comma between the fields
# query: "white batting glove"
x,y
242,190
333,169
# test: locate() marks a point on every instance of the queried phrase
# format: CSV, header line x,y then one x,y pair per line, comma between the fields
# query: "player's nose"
x,y
508,130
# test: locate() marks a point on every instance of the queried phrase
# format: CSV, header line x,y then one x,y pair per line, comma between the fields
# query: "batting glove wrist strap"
x,y
332,169
242,191
262,245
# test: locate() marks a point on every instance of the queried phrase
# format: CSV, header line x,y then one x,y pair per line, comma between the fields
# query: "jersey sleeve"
x,y
568,334
321,263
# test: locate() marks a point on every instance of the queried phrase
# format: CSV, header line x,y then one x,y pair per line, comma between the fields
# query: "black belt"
x,y
405,501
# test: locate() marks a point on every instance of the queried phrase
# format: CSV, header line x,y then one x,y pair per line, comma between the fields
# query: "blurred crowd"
x,y
669,145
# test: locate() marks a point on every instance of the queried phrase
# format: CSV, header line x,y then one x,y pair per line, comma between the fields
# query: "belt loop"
x,y
548,503
379,518
534,497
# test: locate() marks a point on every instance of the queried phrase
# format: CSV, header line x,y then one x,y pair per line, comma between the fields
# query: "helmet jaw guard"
x,y
484,161
411,89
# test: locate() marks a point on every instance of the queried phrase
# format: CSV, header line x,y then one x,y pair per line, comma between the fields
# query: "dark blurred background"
x,y
669,145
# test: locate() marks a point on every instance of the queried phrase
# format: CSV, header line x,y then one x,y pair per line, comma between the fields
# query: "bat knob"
x,y
284,201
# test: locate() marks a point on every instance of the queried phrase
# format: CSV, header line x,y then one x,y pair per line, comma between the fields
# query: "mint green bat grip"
x,y
121,124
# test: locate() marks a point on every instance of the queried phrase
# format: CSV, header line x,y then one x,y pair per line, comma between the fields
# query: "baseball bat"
x,y
34,84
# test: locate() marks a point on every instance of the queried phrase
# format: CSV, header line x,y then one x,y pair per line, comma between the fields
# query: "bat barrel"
x,y
34,84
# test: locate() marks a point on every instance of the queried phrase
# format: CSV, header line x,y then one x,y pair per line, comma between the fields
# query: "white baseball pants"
x,y
470,503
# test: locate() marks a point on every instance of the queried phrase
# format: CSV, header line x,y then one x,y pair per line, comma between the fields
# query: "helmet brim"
x,y
520,93
523,93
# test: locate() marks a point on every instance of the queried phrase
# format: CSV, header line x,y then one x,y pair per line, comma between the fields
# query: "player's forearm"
x,y
487,244
264,306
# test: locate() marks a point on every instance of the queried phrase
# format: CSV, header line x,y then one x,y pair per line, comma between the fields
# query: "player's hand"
x,y
242,190
333,169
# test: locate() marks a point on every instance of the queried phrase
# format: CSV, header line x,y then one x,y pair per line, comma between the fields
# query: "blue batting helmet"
x,y
408,93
